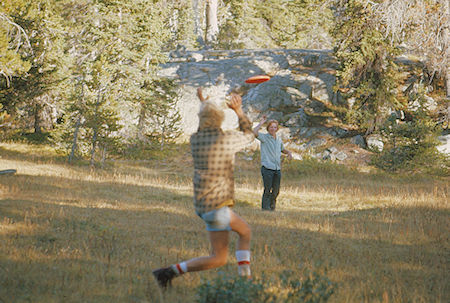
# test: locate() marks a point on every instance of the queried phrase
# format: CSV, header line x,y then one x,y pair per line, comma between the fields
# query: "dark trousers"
x,y
271,180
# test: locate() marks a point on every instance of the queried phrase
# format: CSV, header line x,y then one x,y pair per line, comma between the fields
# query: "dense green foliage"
x,y
372,82
275,24
88,65
367,73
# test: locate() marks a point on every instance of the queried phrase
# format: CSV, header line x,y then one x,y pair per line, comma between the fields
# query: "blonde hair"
x,y
272,122
210,115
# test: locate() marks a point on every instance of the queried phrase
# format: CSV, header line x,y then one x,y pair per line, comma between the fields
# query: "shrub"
x,y
411,145
315,287
232,289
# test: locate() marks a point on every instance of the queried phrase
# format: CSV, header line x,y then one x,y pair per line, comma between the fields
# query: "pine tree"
x,y
115,48
411,143
367,74
33,93
163,124
14,42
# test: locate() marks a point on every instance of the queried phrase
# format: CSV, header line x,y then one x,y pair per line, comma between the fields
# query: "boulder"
x,y
444,147
374,142
358,140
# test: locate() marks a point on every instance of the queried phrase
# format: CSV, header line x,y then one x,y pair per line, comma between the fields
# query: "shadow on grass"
x,y
87,241
399,252
99,241
32,155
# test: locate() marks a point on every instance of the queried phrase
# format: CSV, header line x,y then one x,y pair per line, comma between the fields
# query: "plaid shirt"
x,y
213,151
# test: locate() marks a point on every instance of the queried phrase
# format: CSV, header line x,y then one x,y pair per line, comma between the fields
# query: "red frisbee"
x,y
258,79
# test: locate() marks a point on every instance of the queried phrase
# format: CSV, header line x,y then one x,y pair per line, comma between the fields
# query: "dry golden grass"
x,y
68,234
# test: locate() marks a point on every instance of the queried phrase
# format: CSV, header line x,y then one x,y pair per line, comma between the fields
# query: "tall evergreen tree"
x,y
367,75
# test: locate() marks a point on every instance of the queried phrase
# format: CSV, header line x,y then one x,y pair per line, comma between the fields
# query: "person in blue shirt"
x,y
271,149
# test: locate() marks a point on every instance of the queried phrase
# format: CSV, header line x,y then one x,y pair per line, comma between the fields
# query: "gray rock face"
x,y
297,76
301,84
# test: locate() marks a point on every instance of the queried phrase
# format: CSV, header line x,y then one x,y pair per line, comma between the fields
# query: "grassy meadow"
x,y
69,234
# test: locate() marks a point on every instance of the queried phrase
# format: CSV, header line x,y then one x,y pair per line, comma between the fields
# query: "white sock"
x,y
180,268
243,259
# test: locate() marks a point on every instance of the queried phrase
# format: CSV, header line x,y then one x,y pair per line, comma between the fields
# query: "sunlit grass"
x,y
72,234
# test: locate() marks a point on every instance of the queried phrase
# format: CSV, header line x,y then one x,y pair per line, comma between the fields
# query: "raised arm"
x,y
245,125
257,127
200,95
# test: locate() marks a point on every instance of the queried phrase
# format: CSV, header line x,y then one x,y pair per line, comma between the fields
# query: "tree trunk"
x,y
75,138
37,118
77,127
103,156
94,145
141,123
195,8
212,27
447,82
95,135
446,46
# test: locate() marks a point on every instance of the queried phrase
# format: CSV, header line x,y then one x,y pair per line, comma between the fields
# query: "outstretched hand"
x,y
235,102
263,119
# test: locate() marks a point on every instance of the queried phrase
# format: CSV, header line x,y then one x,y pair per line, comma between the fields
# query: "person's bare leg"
x,y
241,227
219,253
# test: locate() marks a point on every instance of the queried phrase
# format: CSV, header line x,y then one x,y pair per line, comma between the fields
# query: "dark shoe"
x,y
164,276
272,204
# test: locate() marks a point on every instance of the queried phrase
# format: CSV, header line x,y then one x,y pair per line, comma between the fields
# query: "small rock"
x,y
341,156
358,140
374,142
333,149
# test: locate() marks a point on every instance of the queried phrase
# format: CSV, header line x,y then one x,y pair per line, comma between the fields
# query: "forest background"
x,y
70,69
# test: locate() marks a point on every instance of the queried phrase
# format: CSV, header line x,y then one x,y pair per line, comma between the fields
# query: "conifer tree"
x,y
181,22
34,92
14,42
411,144
115,48
367,74
275,23
163,124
